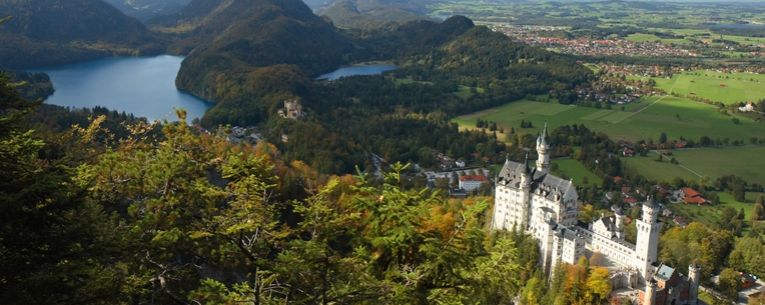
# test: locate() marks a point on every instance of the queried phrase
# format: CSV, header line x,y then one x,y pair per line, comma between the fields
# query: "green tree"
x,y
729,283
47,225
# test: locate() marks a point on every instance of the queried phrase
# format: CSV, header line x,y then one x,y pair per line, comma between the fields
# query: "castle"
x,y
546,206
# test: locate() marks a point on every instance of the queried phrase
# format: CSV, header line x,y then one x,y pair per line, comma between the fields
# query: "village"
x,y
540,36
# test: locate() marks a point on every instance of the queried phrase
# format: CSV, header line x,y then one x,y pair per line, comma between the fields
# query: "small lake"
x,y
143,86
361,69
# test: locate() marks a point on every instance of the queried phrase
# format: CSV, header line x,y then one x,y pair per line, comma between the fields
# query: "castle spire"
x,y
543,150
542,140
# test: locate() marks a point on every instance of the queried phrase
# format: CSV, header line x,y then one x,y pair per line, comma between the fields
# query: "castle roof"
x,y
549,185
650,202
664,272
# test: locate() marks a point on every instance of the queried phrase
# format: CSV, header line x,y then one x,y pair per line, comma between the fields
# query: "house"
x,y
748,280
628,152
680,221
749,107
626,190
691,196
470,183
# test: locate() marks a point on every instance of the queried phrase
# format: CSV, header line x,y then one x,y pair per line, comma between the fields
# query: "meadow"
x,y
722,87
644,119
745,161
575,170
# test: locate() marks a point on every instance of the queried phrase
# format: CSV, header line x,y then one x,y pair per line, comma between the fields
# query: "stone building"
x,y
668,287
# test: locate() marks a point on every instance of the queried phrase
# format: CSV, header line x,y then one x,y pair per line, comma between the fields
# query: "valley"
x,y
382,151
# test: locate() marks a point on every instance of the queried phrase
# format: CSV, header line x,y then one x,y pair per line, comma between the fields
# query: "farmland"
x,y
745,162
722,87
645,119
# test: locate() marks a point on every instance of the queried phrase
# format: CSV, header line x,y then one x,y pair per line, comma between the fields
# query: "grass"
x,y
647,119
465,92
569,168
677,117
722,87
648,167
745,162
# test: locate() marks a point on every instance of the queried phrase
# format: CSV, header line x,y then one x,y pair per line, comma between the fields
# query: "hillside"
x,y
49,32
368,14
239,36
147,9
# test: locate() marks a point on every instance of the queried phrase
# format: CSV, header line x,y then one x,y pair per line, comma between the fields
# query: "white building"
x,y
749,107
471,183
546,206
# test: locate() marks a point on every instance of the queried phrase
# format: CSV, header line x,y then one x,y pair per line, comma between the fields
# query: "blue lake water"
x,y
356,70
144,86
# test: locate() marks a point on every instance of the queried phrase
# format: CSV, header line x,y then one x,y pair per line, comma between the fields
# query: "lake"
x,y
143,86
360,69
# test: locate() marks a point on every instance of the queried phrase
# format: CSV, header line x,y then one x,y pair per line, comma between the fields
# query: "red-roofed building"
x,y
472,182
691,196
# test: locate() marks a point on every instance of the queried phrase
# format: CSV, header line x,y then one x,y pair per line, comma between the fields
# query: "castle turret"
x,y
649,298
526,178
618,221
646,248
543,151
694,279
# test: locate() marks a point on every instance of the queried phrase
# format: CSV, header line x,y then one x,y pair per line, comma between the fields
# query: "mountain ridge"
x,y
265,33
52,32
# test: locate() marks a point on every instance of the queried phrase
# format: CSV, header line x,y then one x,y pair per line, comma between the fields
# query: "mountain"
x,y
49,32
239,36
365,14
421,36
372,13
147,9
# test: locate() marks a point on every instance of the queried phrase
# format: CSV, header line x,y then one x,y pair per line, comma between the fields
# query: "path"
x,y
680,165
646,107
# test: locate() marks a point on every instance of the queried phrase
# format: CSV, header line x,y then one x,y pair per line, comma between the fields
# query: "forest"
x,y
164,214
406,121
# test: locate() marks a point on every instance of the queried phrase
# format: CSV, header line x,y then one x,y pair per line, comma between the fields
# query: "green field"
x,y
746,162
645,119
569,168
717,86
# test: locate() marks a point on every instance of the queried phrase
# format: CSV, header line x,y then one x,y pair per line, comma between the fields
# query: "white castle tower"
x,y
649,298
543,150
694,277
647,244
619,221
